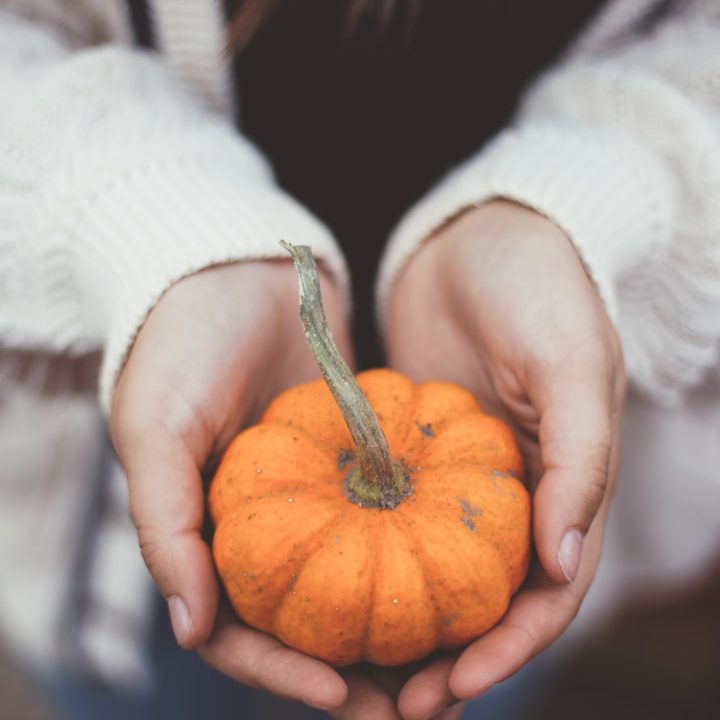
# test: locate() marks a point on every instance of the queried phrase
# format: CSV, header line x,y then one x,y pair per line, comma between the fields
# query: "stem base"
x,y
385,496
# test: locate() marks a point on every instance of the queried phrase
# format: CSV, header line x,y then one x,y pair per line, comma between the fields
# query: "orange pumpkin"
x,y
345,569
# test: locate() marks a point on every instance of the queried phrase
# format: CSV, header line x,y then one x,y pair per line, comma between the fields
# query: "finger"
x,y
537,616
366,699
534,621
576,437
427,692
258,660
167,506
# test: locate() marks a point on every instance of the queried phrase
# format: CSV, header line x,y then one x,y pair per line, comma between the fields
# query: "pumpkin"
x,y
358,535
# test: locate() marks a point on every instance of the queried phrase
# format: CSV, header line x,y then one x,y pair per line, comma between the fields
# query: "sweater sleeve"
x,y
114,184
620,146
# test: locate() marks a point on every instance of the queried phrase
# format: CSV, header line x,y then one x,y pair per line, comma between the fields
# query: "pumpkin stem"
x,y
378,482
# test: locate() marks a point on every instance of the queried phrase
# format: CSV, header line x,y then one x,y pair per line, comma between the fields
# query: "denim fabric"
x,y
184,688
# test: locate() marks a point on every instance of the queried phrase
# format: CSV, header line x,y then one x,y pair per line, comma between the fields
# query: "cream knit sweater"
x,y
121,172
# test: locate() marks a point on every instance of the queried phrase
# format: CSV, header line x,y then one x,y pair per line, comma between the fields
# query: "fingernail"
x,y
179,618
570,552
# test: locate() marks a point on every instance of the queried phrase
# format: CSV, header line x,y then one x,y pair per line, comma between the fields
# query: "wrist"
x,y
490,233
500,220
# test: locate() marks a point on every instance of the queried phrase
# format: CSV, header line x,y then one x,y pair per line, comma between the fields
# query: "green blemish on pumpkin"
x,y
344,457
470,511
426,430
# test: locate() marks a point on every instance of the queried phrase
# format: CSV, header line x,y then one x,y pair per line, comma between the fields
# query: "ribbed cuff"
x,y
165,222
607,193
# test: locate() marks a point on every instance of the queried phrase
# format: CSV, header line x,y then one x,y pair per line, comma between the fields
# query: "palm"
x,y
213,352
425,345
216,349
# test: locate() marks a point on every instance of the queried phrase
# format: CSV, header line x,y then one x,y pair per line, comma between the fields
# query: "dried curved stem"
x,y
371,448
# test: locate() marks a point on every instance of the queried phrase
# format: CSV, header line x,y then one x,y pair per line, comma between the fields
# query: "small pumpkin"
x,y
350,540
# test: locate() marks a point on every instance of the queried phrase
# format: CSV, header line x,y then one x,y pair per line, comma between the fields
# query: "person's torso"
x,y
358,126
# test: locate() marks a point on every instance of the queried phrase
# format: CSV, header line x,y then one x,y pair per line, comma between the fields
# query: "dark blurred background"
x,y
659,660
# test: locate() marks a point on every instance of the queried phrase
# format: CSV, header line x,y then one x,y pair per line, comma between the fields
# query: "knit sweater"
x,y
122,172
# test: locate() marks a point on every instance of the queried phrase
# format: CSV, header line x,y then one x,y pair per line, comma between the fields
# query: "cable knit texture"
x,y
122,173
620,146
118,180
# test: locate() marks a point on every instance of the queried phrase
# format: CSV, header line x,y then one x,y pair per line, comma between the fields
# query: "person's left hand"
x,y
499,302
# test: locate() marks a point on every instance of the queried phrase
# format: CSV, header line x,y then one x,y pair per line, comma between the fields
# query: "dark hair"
x,y
250,15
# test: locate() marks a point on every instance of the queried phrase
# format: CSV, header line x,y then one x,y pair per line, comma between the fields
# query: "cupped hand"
x,y
499,302
215,350
217,347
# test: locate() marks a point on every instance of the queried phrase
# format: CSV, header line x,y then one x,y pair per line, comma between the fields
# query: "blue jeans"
x,y
187,689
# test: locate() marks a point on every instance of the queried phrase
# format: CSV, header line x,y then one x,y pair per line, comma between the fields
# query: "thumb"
x,y
577,439
167,507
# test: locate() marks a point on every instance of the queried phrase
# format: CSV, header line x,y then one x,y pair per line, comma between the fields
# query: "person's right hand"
x,y
498,301
215,350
